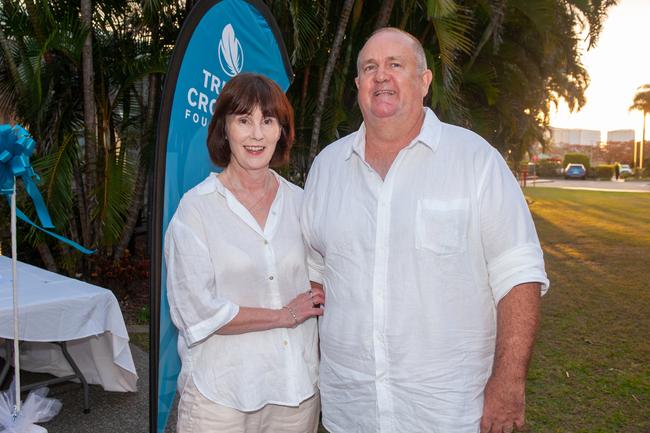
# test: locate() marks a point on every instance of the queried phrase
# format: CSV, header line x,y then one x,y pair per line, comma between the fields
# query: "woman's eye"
x,y
269,121
243,120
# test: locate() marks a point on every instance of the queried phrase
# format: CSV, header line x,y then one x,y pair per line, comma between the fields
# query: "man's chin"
x,y
384,112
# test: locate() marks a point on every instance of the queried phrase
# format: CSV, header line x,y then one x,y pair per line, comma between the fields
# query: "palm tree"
x,y
41,85
641,103
499,65
90,123
329,69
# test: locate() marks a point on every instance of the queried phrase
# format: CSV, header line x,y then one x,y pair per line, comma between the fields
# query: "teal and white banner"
x,y
220,39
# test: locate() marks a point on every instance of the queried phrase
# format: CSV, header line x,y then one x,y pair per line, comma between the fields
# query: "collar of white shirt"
x,y
212,184
429,135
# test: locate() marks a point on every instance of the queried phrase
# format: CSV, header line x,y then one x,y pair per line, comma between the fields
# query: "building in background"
x,y
620,135
619,147
563,141
575,139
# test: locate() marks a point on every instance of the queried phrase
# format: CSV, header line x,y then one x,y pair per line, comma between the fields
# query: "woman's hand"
x,y
305,306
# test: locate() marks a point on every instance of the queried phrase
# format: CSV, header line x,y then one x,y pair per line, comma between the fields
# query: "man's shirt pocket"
x,y
441,226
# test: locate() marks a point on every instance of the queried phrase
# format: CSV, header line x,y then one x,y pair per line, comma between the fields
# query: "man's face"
x,y
390,86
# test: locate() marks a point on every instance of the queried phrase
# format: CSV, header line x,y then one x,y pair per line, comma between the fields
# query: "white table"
x,y
56,308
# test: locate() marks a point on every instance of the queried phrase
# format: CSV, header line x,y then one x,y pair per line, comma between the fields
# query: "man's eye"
x,y
369,68
396,65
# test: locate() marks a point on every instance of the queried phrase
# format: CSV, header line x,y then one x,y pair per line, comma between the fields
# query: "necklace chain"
x,y
252,207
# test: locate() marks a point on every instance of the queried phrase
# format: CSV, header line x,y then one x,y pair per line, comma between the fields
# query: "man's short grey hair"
x,y
418,50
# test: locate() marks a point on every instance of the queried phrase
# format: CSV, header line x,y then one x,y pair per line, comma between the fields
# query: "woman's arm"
x,y
301,308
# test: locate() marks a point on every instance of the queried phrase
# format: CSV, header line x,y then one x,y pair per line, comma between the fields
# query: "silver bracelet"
x,y
295,319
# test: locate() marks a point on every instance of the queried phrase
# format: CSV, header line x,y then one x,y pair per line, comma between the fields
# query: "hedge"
x,y
604,171
576,158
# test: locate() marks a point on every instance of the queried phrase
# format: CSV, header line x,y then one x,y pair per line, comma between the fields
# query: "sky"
x,y
617,66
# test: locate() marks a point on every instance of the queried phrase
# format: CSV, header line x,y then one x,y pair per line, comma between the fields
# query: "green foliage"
x,y
143,315
549,169
641,100
499,66
576,158
41,88
603,171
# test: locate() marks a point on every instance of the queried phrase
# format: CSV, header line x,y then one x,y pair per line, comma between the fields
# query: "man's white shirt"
x,y
413,267
218,259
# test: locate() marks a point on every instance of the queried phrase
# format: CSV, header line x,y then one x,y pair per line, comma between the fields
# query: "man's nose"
x,y
381,75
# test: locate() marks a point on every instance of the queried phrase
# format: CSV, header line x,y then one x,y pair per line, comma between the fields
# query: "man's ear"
x,y
427,77
356,81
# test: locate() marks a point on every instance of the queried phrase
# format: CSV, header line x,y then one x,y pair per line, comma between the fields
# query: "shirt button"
x,y
271,277
286,343
266,242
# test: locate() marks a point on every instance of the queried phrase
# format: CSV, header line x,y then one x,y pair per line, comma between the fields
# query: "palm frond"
x,y
116,193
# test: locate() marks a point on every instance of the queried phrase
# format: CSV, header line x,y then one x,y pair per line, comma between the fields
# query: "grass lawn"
x,y
591,368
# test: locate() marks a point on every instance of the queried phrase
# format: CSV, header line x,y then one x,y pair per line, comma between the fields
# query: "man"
x,y
430,262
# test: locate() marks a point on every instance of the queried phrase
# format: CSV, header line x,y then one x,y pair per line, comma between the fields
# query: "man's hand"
x,y
504,406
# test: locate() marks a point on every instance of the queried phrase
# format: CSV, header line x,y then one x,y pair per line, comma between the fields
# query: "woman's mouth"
x,y
254,149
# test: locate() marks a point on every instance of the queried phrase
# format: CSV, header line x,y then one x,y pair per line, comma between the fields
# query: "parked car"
x,y
625,169
575,171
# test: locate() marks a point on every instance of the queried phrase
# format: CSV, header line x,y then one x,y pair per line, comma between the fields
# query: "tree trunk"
x,y
141,180
90,120
329,70
147,137
384,14
46,256
491,31
33,15
642,141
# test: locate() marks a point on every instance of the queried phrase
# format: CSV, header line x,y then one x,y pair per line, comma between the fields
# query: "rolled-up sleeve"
x,y
194,305
511,247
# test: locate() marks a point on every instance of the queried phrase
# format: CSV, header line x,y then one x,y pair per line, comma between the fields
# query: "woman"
x,y
237,285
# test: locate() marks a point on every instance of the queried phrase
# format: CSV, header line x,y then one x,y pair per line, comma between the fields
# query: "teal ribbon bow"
x,y
16,146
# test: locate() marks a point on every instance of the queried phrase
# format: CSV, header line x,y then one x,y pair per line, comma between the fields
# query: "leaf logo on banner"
x,y
231,55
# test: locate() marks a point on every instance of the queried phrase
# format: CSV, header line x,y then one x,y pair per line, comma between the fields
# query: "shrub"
x,y
549,169
576,158
604,171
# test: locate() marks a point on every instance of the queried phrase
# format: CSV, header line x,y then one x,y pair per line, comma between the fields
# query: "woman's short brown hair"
x,y
241,95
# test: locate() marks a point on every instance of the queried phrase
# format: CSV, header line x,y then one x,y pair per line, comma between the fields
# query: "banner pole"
x,y
14,260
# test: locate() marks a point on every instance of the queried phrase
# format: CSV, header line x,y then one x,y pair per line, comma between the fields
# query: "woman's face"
x,y
252,138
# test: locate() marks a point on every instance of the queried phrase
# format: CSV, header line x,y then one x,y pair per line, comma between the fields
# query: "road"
x,y
596,185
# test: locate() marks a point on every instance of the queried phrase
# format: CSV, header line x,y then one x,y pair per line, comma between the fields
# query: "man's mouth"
x,y
384,92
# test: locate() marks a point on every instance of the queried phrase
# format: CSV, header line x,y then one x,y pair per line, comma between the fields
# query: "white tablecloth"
x,y
54,307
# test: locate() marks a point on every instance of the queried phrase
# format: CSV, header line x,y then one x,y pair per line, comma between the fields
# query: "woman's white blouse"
x,y
218,258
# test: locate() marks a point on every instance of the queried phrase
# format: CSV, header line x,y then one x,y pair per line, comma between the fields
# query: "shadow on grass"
x,y
590,370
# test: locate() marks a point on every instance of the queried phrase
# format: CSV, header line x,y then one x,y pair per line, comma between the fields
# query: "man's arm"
x,y
517,323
